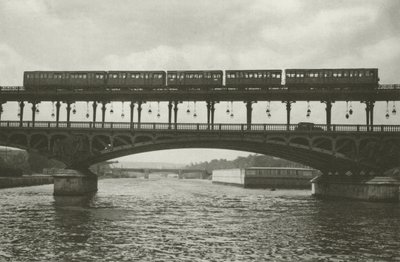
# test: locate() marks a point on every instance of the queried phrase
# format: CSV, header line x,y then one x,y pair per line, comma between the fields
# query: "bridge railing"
x,y
199,127
12,88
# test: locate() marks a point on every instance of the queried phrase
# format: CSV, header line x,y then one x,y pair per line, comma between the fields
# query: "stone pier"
x,y
378,188
70,182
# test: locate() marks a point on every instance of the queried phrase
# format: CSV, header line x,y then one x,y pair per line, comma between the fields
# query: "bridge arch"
x,y
301,155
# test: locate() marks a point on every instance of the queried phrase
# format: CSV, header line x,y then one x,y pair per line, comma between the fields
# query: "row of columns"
x,y
173,106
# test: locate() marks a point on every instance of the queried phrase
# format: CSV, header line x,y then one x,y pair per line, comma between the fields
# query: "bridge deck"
x,y
384,93
196,127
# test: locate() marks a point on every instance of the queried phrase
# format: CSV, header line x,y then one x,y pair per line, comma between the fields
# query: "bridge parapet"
x,y
197,127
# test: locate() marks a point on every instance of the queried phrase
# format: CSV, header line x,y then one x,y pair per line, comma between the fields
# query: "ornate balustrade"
x,y
199,127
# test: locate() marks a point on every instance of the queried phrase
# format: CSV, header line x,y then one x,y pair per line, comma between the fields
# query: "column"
x,y
21,112
249,109
367,113
212,114
132,106
288,108
68,113
175,113
33,113
58,105
94,112
328,110
371,113
103,113
139,110
169,114
1,109
208,113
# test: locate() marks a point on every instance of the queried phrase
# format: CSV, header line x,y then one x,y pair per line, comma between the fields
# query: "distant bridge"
x,y
179,171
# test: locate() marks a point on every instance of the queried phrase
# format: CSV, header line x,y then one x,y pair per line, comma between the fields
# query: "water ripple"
x,y
192,220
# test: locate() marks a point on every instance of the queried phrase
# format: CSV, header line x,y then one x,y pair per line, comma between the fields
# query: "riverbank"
x,y
34,180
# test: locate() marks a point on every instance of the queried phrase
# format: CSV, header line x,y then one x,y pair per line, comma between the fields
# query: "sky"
x,y
198,34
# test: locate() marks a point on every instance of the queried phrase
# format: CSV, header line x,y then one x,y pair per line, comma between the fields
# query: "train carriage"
x,y
59,80
253,79
354,78
85,80
194,80
136,80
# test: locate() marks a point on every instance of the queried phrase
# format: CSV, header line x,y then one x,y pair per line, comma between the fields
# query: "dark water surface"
x,y
193,220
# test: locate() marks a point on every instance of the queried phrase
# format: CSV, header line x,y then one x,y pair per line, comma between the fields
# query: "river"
x,y
193,220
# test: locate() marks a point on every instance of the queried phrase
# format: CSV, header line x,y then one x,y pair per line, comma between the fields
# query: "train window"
x,y
278,75
123,75
250,75
366,73
339,74
84,76
361,74
115,75
345,74
371,73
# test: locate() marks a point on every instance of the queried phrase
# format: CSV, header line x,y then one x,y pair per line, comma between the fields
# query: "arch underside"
x,y
303,155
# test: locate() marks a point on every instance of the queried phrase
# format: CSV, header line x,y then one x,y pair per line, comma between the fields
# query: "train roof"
x,y
135,71
316,69
76,71
195,71
255,70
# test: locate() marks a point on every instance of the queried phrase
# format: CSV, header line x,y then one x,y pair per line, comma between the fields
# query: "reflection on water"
x,y
192,220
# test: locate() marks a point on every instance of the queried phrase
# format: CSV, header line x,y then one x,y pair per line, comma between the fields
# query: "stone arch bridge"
x,y
335,149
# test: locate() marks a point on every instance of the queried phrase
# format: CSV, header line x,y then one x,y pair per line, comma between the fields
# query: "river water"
x,y
193,220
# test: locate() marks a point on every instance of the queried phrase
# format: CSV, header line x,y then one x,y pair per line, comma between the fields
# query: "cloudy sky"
x,y
186,34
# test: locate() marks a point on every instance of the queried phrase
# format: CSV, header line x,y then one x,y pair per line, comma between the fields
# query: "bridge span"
x,y
334,149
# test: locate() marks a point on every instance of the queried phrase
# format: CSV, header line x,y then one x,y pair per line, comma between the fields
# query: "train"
x,y
200,80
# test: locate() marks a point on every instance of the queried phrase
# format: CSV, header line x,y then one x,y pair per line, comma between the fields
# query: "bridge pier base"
x,y
180,174
146,174
367,188
70,182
